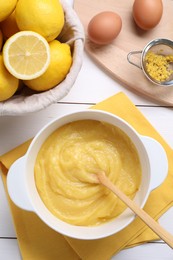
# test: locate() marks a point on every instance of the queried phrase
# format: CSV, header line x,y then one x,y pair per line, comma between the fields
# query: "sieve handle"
x,y
131,62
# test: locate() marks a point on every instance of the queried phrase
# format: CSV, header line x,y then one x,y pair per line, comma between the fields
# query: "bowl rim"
x,y
82,232
20,192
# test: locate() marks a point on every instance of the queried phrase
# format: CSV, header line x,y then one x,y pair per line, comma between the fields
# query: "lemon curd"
x,y
65,165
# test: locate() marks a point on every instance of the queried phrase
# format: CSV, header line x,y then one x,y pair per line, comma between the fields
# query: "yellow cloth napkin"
x,y
39,242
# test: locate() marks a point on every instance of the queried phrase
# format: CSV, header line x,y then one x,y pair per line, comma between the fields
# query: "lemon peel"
x,y
44,17
8,83
26,55
60,63
6,8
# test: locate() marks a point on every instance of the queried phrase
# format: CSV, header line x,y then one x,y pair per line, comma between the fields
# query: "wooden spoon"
x,y
162,233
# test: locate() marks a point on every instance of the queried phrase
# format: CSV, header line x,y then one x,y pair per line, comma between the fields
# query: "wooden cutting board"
x,y
113,57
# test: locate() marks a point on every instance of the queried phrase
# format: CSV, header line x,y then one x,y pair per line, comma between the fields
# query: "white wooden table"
x,y
91,86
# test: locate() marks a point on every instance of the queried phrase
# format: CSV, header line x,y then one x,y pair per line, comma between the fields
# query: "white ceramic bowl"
x,y
27,101
23,192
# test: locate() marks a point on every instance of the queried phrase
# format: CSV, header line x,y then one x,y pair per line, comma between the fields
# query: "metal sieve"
x,y
161,48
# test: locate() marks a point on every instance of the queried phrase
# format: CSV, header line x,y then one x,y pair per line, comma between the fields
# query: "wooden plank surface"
x,y
113,57
92,86
29,125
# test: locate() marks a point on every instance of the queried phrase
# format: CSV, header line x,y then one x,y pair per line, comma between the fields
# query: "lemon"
x,y
1,39
26,55
9,26
60,63
45,17
6,8
8,83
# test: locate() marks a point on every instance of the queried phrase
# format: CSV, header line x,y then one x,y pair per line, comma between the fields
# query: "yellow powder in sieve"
x,y
157,66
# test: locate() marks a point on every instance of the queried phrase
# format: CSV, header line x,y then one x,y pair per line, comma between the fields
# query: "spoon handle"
x,y
161,232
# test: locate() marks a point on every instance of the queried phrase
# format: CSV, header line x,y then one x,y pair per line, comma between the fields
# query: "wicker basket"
x,y
27,101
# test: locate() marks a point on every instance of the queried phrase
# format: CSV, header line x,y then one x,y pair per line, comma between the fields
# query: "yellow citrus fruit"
x,y
60,63
6,8
9,26
1,39
45,17
8,83
26,55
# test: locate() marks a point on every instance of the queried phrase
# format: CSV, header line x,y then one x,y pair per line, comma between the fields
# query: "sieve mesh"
x,y
158,67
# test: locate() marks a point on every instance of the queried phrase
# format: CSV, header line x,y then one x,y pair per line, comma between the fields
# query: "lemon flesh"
x,y
60,63
8,83
45,17
26,55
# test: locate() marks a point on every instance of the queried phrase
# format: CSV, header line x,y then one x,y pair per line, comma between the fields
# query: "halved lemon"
x,y
26,55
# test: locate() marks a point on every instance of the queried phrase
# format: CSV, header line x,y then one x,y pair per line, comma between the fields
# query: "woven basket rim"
x,y
24,104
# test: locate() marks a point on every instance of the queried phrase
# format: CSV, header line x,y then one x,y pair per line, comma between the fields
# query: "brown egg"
x,y
147,13
104,27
